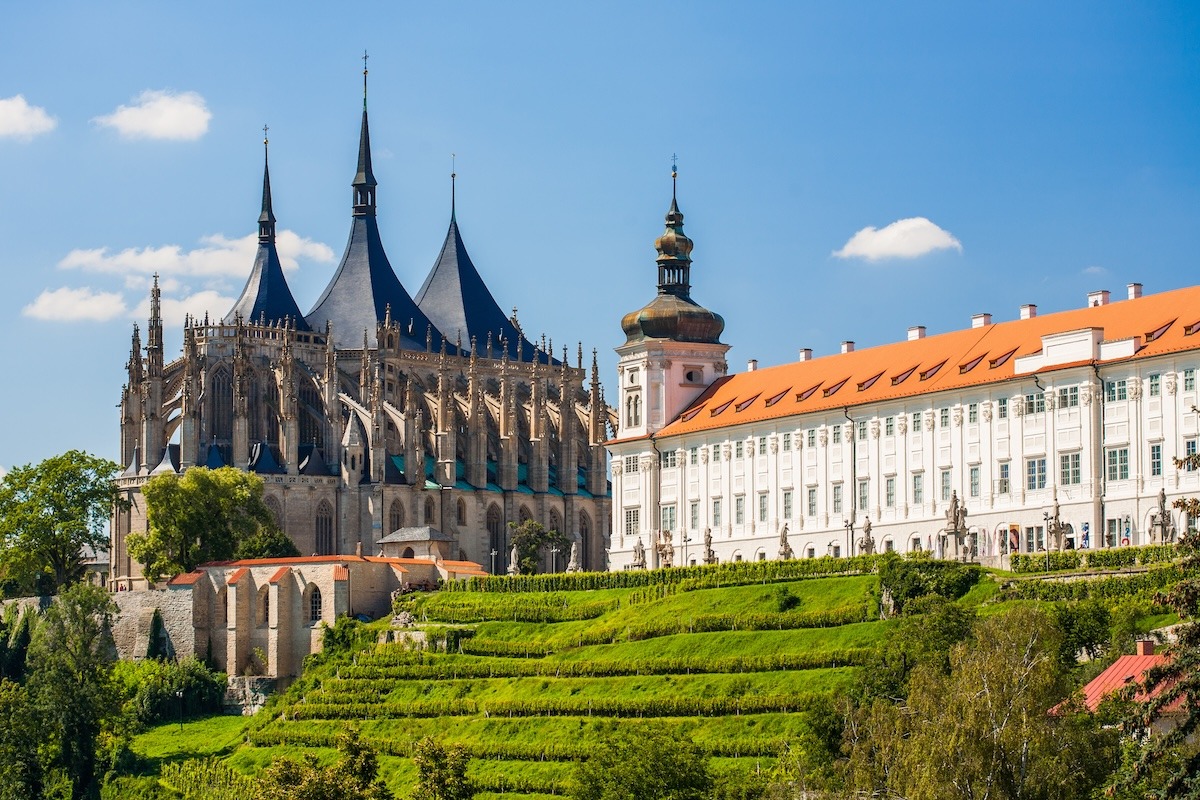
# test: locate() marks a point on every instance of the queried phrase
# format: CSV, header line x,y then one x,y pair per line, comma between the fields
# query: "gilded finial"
x,y
674,173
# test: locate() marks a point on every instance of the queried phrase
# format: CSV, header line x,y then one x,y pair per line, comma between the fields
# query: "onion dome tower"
x,y
266,296
673,347
458,302
365,288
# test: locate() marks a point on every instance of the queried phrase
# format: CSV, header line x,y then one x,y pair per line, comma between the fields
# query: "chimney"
x,y
805,354
752,365
848,347
980,320
1135,291
916,332
1099,298
1028,311
1145,647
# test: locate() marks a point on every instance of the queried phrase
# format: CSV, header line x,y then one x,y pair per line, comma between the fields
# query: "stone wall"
x,y
131,626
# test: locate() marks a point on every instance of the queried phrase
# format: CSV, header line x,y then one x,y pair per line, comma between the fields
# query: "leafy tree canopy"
x,y
905,579
649,765
50,514
355,775
441,772
531,539
205,515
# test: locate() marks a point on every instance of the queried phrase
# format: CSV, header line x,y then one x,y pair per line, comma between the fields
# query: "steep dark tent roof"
x,y
365,286
266,295
458,302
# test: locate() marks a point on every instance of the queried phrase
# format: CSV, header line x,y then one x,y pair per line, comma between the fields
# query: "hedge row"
x,y
1108,558
1094,588
456,608
703,576
709,623
568,707
207,779
511,668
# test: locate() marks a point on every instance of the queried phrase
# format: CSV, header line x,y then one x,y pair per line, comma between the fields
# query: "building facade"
x,y
376,411
1042,432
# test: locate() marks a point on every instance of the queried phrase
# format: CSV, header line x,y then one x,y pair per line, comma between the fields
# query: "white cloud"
x,y
158,114
20,120
1095,271
905,238
198,304
217,257
75,305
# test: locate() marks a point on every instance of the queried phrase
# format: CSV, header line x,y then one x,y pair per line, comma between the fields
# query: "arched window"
x,y
429,511
585,540
324,529
262,610
272,504
221,424
495,527
524,514
312,428
314,605
395,515
462,513
408,553
555,521
220,609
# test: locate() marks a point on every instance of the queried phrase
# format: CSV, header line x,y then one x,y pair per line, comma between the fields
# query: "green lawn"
x,y
213,736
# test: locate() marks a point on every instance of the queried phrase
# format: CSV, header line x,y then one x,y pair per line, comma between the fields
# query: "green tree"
x,y
930,628
50,514
1167,766
441,772
20,772
531,538
70,681
203,515
649,765
355,775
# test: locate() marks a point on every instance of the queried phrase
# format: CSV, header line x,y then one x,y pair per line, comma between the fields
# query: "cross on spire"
x,y
265,129
365,57
674,174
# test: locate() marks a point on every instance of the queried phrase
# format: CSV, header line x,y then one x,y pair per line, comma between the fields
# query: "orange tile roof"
x,y
1124,671
341,573
280,574
236,576
1159,324
185,578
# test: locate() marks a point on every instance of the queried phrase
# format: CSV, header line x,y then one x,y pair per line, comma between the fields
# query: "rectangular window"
x,y
1114,391
1069,469
974,475
889,426
1189,450
1155,460
694,511
862,431
1002,408
918,489
694,456
668,518
668,458
1117,460
889,488
864,494
1155,385
973,412
632,522
739,510
762,445
812,438
762,508
1189,379
631,463
787,505
1002,485
1068,397
812,502
944,418
946,484
916,422
716,512
1035,403
716,453
837,434
837,498
738,451
787,443
1035,473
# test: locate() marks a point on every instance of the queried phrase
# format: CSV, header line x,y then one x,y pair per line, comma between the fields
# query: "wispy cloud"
x,y
1094,270
905,238
19,120
160,114
174,309
217,257
75,305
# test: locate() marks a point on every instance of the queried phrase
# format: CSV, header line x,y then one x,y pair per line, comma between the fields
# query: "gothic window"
x,y
555,521
462,512
254,409
314,605
324,529
272,504
429,511
395,515
524,515
263,607
221,424
311,428
585,536
495,527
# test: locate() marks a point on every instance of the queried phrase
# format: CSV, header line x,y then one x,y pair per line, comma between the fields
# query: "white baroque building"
x,y
1045,431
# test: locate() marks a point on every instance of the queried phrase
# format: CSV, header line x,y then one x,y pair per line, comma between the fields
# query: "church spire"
x,y
674,248
364,181
266,220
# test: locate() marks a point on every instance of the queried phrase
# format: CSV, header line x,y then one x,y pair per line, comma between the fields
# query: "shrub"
x,y
148,688
906,579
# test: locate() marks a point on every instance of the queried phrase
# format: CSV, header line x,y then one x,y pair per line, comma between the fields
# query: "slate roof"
x,y
1152,325
458,302
421,533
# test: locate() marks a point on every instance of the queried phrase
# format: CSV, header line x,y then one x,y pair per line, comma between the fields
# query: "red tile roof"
x,y
1158,324
1124,671
341,573
280,574
236,576
186,578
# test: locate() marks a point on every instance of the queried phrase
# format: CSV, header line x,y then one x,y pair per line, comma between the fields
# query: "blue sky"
x,y
1036,151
